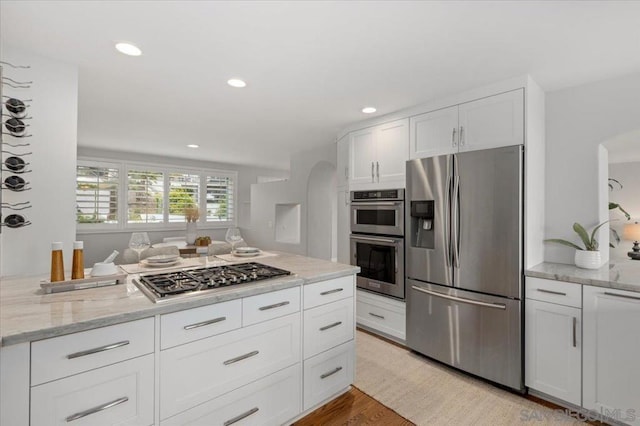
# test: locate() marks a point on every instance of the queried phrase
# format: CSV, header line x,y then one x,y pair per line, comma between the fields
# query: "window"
x,y
128,196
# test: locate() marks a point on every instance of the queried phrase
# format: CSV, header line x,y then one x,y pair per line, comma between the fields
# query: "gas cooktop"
x,y
188,282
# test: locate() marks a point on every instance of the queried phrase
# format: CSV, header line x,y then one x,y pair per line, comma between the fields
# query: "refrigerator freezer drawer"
x,y
477,333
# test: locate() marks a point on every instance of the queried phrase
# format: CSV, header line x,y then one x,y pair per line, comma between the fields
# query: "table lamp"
x,y
632,232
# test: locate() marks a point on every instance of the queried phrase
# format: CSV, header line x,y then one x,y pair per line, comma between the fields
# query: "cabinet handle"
x,y
241,416
378,170
97,409
275,305
575,342
376,315
622,295
461,136
330,373
241,357
326,327
335,290
96,350
203,323
559,293
453,138
372,176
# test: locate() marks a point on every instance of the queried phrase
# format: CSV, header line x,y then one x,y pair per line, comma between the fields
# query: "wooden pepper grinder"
x,y
77,270
57,264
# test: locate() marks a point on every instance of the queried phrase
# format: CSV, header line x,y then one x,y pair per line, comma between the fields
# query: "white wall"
x,y
100,245
629,198
322,211
54,128
265,196
578,120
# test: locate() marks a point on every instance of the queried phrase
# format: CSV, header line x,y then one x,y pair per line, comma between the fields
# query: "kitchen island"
x,y
231,353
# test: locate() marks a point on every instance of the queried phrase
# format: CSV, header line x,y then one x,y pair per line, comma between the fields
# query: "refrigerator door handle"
x,y
447,215
455,219
460,299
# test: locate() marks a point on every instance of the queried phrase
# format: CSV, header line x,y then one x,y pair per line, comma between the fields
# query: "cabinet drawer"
x,y
328,291
205,369
381,314
119,394
269,401
559,292
267,306
74,353
197,323
328,373
327,326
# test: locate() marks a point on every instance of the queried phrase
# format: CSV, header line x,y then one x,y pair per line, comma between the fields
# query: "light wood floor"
x,y
354,408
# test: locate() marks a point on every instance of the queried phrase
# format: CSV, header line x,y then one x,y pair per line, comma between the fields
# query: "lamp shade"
x,y
632,232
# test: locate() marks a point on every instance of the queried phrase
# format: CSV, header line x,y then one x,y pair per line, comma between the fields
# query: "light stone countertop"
x,y
28,314
620,274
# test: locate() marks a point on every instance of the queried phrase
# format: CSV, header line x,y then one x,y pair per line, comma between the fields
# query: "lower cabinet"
x,y
612,353
119,394
328,373
382,314
269,401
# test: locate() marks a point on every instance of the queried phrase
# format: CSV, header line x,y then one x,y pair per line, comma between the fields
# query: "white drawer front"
x,y
388,318
202,370
317,294
197,323
327,326
269,401
559,292
119,394
74,353
267,306
328,373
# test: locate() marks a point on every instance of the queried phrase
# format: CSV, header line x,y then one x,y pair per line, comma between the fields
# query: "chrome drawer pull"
x,y
336,290
241,416
97,409
460,299
622,295
326,327
96,350
331,373
559,293
575,338
203,323
275,305
241,357
376,315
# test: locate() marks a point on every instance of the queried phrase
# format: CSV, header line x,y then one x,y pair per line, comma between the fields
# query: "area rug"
x,y
428,393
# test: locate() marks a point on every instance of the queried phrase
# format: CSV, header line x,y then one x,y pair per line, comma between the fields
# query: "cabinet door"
x,y
611,353
362,156
492,122
343,226
434,133
342,161
553,350
392,144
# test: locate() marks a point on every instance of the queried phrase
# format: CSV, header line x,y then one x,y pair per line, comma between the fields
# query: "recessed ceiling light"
x,y
369,110
193,145
235,82
128,49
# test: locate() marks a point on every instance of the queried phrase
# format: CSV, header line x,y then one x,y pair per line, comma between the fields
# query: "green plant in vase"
x,y
589,256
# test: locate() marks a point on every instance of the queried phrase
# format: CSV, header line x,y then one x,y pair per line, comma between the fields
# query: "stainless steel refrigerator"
x,y
464,251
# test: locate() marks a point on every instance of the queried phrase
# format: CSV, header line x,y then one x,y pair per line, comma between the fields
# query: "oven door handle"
x,y
377,203
376,240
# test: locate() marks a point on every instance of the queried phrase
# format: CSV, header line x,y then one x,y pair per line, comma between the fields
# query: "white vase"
x,y
588,259
191,232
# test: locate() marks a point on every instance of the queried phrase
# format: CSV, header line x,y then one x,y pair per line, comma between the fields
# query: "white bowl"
x,y
101,269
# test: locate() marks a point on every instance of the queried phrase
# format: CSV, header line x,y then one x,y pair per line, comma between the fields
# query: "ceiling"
x,y
310,66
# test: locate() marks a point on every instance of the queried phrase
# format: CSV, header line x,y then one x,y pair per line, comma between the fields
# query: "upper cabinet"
x,y
489,122
377,156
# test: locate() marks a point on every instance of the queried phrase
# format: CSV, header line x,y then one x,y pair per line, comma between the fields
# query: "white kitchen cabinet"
x,y
328,373
327,326
553,350
344,225
328,291
14,384
119,394
342,161
381,314
271,305
490,122
377,156
611,353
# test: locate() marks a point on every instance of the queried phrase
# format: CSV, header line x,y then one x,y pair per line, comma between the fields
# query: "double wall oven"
x,y
377,240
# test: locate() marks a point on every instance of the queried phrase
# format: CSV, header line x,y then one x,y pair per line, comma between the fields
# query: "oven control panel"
x,y
385,194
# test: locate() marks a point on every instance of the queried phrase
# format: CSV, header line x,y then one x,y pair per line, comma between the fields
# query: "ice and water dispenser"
x,y
422,224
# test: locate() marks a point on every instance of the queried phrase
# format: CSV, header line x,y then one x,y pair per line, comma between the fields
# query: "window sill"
x,y
181,227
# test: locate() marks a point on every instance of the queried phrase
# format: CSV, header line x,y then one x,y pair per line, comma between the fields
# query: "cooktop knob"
x,y
254,275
